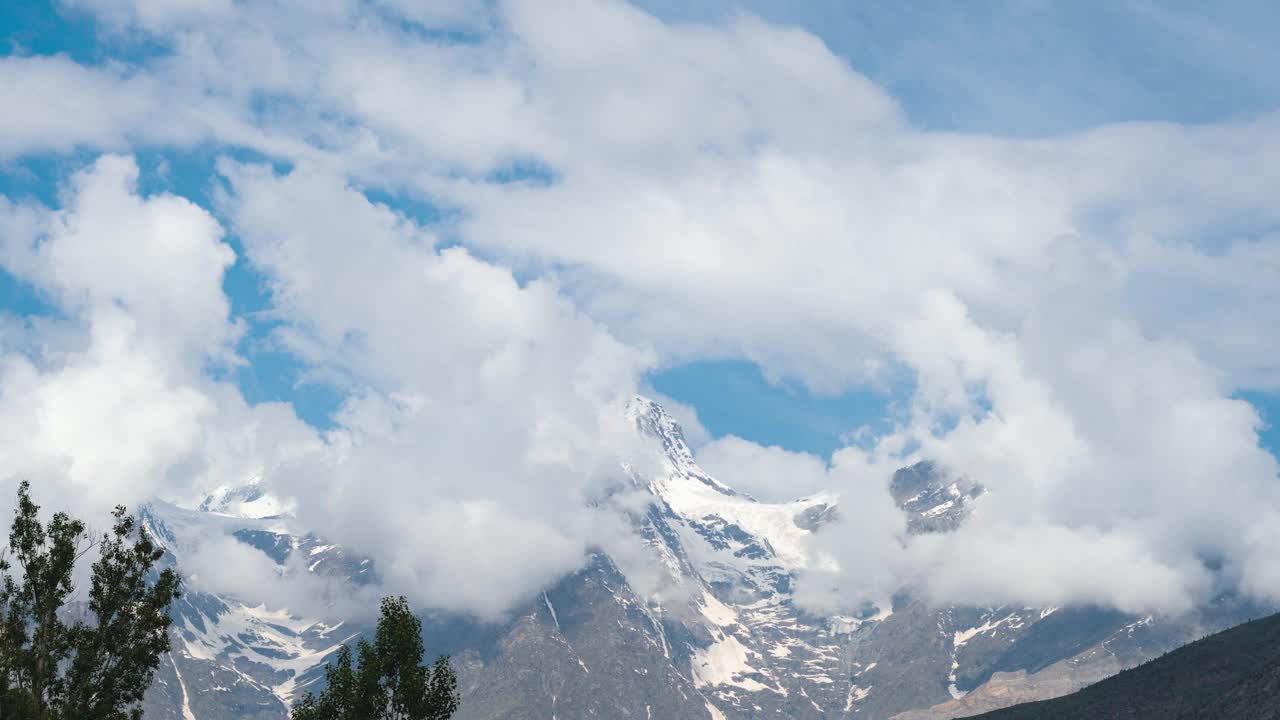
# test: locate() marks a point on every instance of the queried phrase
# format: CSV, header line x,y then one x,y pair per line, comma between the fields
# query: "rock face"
x,y
1231,675
1005,689
586,648
720,637
932,504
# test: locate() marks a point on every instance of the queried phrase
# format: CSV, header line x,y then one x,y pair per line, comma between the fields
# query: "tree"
x,y
93,669
387,680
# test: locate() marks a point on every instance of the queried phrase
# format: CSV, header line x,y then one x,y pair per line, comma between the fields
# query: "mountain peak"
x,y
653,421
244,501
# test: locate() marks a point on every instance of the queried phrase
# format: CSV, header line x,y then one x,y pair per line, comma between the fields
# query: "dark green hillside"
x,y
1233,674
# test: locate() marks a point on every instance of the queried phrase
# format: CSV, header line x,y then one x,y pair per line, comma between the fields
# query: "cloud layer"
x,y
608,193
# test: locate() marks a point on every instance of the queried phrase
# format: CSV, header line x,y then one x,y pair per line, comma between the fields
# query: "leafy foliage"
x,y
387,680
1232,674
87,670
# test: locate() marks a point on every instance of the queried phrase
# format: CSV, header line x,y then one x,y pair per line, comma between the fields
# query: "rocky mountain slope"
x,y
1234,674
724,639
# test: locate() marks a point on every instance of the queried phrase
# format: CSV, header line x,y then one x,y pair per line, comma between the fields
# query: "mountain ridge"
x,y
1230,675
724,640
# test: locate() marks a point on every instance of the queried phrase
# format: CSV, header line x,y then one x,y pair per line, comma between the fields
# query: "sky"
x,y
405,261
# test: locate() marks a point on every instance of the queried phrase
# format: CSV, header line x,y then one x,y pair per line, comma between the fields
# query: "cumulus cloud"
x,y
768,473
482,416
226,566
107,400
66,106
1075,313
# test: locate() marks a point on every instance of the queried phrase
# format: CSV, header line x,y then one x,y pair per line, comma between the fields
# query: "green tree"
x,y
386,680
97,668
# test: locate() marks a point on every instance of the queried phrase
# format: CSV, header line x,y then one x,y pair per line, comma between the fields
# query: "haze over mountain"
x,y
971,310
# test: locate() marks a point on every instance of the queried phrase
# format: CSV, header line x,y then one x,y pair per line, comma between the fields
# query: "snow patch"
x,y
856,694
717,612
727,662
721,662
186,699
554,619
964,636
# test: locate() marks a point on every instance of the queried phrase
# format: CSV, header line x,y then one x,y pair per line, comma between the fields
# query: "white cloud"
x,y
1076,311
58,105
768,473
107,401
225,566
155,15
484,413
1128,446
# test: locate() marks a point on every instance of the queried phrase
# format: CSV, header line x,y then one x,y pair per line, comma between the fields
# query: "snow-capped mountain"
x,y
722,638
232,656
247,501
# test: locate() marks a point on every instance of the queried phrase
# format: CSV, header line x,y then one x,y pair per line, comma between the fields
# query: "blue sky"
x,y
733,397
1019,69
